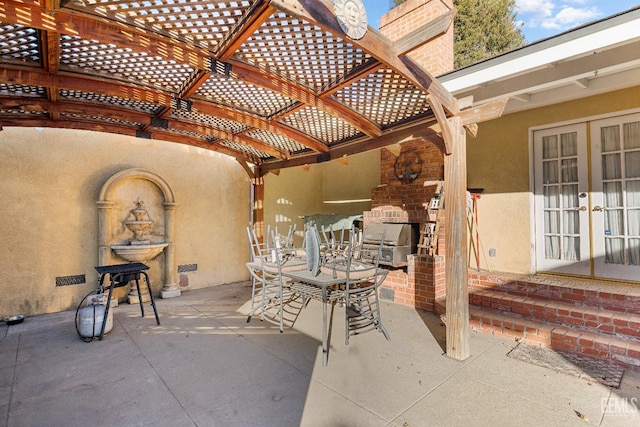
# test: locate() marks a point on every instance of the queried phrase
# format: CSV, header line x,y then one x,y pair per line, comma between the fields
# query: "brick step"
x,y
619,351
620,324
611,296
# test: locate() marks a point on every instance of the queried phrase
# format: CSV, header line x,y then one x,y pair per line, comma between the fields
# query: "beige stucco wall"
x,y
300,191
50,181
499,162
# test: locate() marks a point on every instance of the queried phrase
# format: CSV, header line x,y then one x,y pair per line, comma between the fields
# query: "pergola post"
x,y
257,213
455,199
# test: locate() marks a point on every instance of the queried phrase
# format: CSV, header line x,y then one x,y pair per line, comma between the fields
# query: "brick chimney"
x,y
422,283
435,56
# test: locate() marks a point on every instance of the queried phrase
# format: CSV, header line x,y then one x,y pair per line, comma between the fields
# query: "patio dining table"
x,y
322,287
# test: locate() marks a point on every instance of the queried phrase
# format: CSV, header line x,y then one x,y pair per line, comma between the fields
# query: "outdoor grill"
x,y
399,241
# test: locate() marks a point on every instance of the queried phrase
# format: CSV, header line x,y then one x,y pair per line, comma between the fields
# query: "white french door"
x,y
587,198
615,164
561,197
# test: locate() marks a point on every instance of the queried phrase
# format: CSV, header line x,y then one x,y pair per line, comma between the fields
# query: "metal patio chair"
x,y
363,276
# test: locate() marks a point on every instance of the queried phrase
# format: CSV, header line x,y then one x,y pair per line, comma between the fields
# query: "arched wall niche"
x,y
118,196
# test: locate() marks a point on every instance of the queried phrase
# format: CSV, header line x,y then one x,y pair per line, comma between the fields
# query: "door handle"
x,y
581,208
597,209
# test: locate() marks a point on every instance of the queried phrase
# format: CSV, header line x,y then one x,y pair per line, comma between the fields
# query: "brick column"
x,y
435,56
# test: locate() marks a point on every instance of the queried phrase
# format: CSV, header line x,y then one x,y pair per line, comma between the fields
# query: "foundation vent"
x,y
80,279
387,294
187,268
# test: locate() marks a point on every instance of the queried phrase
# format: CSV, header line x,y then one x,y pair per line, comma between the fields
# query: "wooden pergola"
x,y
274,84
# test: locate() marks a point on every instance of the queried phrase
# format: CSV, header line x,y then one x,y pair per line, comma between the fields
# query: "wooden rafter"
x,y
72,82
320,13
329,101
306,96
420,131
94,28
260,12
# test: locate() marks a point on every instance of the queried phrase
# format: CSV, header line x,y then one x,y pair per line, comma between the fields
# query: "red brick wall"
x,y
435,56
422,283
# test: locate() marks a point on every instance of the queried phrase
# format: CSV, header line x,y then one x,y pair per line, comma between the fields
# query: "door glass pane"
x,y
634,251
632,164
631,135
551,222
614,251
610,137
611,166
552,247
570,170
550,147
633,218
569,144
550,172
570,222
570,196
614,222
612,194
572,248
551,197
633,194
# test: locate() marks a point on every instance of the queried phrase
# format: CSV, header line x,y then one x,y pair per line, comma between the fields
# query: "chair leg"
x,y
153,301
253,299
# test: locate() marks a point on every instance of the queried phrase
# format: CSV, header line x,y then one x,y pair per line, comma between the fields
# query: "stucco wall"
x,y
301,191
499,162
50,181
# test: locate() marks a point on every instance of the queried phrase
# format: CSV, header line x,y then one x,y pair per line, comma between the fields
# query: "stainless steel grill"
x,y
399,241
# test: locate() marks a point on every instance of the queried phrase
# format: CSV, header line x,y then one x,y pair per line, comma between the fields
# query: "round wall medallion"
x,y
352,17
408,166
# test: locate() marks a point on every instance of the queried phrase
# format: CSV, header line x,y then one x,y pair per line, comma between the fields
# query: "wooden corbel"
x,y
445,126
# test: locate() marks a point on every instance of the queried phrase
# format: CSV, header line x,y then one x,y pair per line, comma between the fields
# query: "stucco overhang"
x,y
598,57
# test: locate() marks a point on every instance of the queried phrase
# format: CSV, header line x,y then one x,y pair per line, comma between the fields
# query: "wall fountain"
x,y
140,234
139,249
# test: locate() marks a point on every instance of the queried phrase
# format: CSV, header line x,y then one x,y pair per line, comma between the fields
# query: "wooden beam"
x,y
228,136
250,170
421,131
259,13
457,288
96,28
320,12
17,75
277,84
260,123
482,113
424,34
438,111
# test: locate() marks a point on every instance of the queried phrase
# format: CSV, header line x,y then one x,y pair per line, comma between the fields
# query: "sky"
x,y
539,18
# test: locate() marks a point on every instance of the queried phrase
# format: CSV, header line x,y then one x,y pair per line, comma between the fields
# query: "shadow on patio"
x,y
205,366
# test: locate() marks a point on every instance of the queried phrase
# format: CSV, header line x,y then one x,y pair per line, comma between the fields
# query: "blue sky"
x,y
540,18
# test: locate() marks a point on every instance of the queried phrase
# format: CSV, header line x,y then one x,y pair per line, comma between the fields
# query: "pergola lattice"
x,y
272,83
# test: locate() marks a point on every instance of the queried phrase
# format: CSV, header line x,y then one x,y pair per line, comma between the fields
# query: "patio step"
x,y
575,327
582,317
601,295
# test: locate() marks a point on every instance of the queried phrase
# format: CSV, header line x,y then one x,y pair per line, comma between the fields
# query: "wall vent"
x,y
80,279
387,294
187,268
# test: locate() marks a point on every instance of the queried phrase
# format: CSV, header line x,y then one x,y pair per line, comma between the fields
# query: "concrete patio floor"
x,y
205,366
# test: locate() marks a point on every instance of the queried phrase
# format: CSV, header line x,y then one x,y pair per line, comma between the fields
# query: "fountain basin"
x,y
139,253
